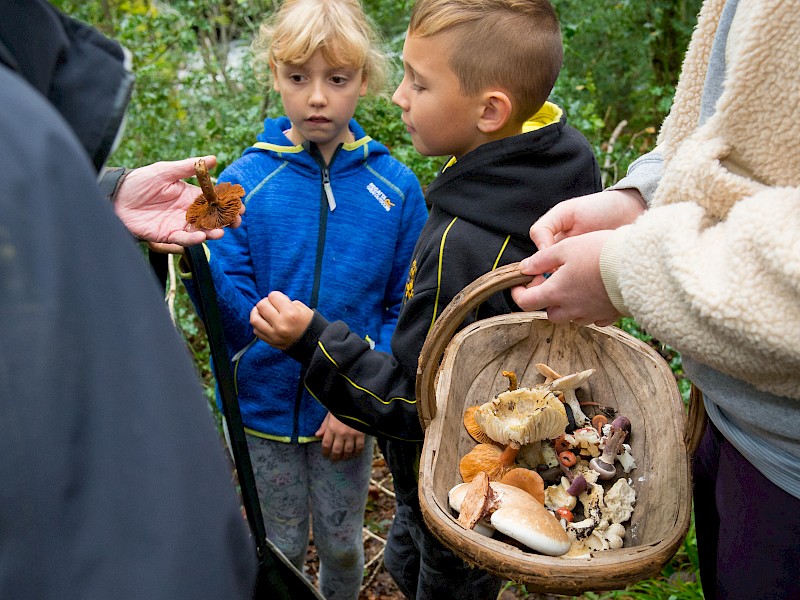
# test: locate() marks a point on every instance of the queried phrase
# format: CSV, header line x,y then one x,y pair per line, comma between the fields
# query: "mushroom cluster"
x,y
565,467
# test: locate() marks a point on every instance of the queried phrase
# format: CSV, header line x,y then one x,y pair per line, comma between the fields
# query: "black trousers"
x,y
748,529
423,568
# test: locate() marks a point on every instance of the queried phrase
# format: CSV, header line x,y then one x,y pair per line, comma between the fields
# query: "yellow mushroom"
x,y
522,416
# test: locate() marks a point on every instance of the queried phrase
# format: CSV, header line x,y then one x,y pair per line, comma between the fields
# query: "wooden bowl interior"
x,y
629,376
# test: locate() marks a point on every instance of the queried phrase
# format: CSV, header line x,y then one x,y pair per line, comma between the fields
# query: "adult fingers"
x,y
555,224
162,248
535,296
544,232
181,169
544,261
605,322
186,238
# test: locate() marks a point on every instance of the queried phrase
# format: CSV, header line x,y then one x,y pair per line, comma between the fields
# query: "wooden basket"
x,y
629,376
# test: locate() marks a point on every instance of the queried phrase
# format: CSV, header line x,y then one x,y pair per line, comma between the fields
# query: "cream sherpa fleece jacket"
x,y
713,267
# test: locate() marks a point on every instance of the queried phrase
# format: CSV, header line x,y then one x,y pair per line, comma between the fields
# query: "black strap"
x,y
277,579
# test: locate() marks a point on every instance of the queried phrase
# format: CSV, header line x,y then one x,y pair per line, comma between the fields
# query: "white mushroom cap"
x,y
520,517
568,384
548,373
572,381
618,502
556,496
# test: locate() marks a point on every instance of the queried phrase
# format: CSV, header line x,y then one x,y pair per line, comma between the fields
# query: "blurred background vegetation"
x,y
196,93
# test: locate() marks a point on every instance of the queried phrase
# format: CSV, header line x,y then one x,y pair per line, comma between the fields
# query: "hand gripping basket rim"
x,y
440,415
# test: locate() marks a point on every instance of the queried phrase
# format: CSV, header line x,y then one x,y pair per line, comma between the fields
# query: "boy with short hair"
x,y
477,77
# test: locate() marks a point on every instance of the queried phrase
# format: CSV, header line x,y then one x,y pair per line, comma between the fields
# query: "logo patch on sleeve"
x,y
380,196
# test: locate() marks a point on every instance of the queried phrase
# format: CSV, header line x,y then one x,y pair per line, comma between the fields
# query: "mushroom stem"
x,y
604,465
512,380
567,473
204,179
509,455
599,421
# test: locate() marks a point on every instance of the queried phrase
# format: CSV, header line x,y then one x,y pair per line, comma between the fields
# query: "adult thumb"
x,y
543,262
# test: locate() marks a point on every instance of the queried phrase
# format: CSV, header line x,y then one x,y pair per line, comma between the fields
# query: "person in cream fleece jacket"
x,y
700,243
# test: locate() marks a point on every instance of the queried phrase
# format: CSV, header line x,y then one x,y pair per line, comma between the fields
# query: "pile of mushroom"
x,y
564,468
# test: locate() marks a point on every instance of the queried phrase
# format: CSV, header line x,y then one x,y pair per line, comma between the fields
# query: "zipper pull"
x,y
326,185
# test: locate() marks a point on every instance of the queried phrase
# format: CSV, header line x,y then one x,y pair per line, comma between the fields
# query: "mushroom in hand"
x,y
217,205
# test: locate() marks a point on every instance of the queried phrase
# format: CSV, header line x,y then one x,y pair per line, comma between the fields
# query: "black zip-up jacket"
x,y
482,207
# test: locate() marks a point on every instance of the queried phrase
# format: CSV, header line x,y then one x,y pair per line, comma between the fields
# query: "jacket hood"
x,y
272,139
79,71
499,184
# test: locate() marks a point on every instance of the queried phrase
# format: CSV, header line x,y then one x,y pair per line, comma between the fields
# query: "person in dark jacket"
x,y
103,495
514,157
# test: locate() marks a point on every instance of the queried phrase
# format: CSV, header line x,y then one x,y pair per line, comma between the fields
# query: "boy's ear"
x,y
496,111
364,85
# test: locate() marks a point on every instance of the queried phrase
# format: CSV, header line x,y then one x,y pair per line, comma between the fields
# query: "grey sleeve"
x,y
643,174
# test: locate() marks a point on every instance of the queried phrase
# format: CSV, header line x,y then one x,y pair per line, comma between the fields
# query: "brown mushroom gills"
x,y
217,206
475,431
477,502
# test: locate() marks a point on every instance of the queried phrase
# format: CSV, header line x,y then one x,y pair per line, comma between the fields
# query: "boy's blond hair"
x,y
338,28
511,44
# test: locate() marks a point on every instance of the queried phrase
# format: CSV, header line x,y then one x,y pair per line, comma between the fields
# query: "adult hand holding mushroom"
x,y
152,202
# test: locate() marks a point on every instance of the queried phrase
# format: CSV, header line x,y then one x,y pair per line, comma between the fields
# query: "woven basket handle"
x,y
446,325
451,318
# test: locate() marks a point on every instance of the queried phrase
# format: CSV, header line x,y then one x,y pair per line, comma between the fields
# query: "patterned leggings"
x,y
295,482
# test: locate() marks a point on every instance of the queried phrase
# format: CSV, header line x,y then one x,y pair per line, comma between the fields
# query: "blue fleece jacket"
x,y
350,262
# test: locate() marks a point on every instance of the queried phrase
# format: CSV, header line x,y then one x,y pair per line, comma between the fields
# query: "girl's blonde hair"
x,y
338,28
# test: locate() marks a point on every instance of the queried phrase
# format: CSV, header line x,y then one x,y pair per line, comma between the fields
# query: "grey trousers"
x,y
297,484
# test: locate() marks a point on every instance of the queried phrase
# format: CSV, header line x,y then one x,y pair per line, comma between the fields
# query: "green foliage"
x,y
621,63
